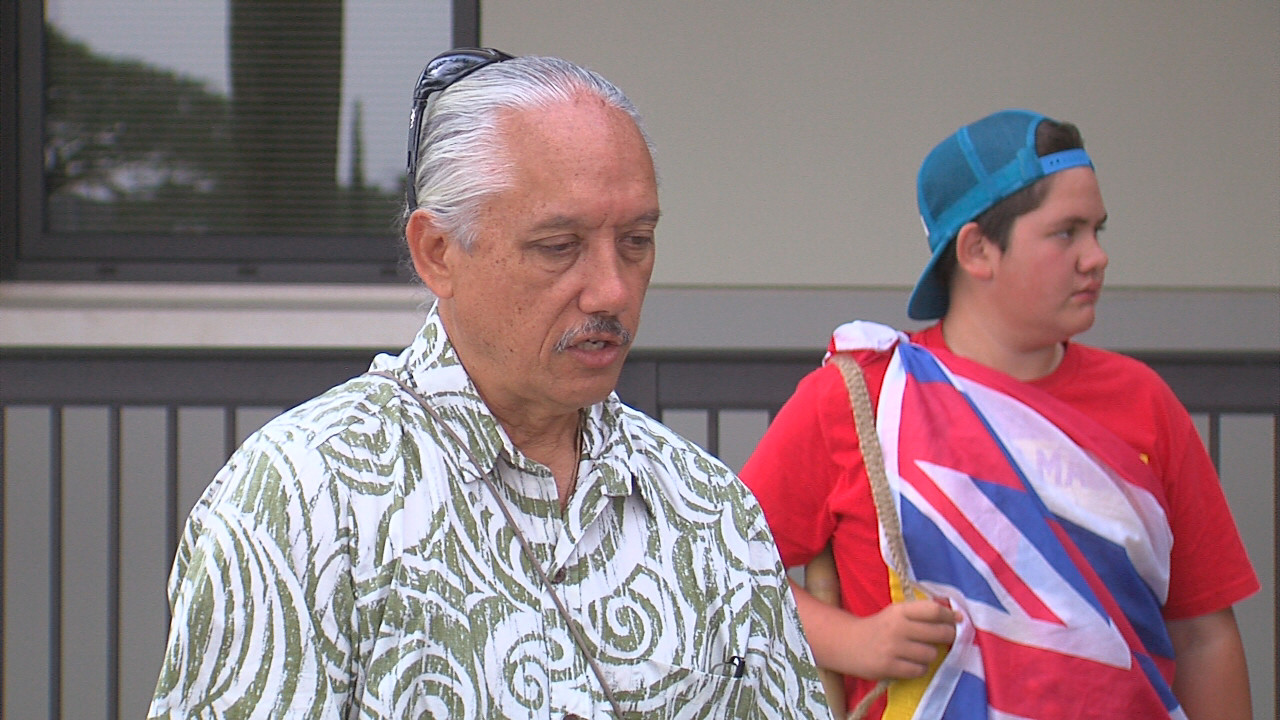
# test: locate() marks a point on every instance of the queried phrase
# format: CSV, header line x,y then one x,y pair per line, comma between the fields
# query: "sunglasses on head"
x,y
443,71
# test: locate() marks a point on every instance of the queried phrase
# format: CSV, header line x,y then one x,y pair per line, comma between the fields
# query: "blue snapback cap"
x,y
978,166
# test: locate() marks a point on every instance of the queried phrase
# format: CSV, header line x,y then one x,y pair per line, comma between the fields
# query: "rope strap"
x,y
886,510
588,652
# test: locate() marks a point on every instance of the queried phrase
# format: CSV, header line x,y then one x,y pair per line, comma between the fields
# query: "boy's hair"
x,y
996,222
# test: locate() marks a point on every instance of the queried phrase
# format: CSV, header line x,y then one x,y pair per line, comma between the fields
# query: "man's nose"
x,y
604,284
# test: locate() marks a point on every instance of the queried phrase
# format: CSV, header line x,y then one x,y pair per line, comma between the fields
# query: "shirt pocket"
x,y
655,690
710,695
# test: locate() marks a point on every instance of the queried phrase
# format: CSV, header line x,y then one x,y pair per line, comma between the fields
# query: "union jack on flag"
x,y
1047,536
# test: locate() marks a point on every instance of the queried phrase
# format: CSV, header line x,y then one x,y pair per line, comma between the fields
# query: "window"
x,y
210,139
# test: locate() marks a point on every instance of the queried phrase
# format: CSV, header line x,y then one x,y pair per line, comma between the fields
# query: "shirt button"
x,y
558,578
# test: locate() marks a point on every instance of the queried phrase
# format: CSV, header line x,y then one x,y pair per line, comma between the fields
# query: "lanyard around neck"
x,y
574,630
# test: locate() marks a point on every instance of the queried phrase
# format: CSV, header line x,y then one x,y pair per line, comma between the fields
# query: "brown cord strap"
x,y
886,509
574,630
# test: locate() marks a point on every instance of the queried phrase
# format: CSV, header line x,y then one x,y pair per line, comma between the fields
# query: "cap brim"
x,y
930,298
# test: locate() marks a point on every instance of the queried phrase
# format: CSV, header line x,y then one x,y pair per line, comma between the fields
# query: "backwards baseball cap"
x,y
981,164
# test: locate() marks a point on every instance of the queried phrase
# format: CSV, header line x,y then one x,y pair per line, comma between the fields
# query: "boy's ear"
x,y
428,247
975,252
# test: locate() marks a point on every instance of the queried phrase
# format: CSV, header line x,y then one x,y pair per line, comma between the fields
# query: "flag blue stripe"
x,y
1027,513
934,559
917,361
1136,600
969,700
1157,681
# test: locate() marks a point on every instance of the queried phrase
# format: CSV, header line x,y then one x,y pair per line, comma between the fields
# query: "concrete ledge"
x,y
120,315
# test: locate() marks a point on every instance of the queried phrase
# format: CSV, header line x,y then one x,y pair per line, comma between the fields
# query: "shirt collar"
x,y
430,365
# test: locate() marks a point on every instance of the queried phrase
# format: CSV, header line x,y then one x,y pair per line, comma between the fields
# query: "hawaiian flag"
x,y
1043,530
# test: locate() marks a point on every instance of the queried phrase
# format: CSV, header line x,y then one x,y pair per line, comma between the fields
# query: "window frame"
x,y
28,252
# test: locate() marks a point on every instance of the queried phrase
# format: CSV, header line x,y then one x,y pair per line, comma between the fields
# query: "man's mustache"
x,y
595,325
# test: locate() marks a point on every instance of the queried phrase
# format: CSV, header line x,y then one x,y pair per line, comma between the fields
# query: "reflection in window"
x,y
217,118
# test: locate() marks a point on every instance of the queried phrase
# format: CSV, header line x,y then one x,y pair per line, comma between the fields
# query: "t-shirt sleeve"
x,y
1209,567
792,472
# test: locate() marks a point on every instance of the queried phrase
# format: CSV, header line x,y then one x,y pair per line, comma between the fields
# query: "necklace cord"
x,y
574,630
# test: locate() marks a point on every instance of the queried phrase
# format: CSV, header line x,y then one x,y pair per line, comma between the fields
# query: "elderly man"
x,y
478,527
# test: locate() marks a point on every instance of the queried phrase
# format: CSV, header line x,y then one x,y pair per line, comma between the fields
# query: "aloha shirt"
x,y
348,562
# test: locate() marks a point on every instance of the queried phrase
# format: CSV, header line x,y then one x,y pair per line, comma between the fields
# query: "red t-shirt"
x,y
808,475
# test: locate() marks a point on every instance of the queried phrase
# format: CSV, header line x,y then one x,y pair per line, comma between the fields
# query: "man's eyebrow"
x,y
566,222
649,218
556,222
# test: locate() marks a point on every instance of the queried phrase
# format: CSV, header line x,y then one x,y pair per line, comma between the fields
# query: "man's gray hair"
x,y
462,158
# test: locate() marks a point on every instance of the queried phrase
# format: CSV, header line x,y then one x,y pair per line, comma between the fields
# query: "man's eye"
x,y
639,242
558,248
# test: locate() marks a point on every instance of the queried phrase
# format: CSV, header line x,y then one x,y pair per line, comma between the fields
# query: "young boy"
x,y
1051,534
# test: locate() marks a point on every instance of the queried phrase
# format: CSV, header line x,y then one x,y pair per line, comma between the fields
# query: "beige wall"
x,y
789,132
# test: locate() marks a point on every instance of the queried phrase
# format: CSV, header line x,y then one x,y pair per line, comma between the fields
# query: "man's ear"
x,y
975,252
429,246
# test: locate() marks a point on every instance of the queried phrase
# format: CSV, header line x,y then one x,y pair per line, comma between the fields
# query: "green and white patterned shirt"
x,y
348,562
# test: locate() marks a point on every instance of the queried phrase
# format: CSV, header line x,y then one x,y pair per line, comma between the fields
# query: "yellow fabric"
x,y
903,696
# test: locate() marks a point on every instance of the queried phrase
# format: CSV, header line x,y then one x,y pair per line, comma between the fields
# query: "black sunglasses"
x,y
443,71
